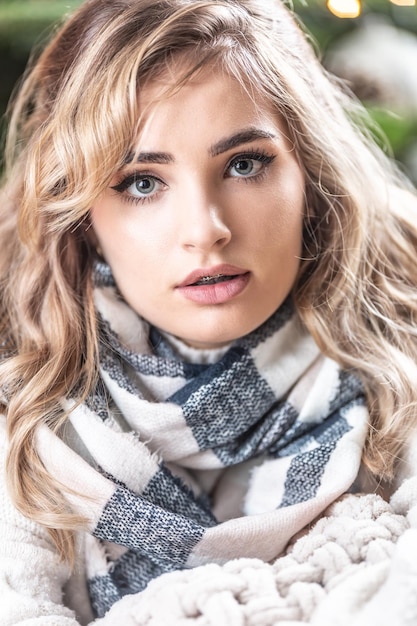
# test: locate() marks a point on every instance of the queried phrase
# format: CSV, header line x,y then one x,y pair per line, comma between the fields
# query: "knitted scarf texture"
x,y
184,464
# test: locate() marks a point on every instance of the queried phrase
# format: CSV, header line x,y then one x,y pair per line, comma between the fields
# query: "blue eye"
x,y
245,167
139,186
248,165
144,186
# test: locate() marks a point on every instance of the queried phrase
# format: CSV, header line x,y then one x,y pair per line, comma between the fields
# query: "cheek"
x,y
292,228
291,214
134,257
115,231
138,282
103,224
283,228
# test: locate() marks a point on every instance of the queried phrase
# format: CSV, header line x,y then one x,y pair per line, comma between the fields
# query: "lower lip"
x,y
218,293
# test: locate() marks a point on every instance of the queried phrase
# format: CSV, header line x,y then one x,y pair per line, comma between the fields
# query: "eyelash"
x,y
124,184
257,155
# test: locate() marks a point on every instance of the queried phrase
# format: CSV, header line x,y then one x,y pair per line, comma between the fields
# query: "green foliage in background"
x,y
326,28
23,26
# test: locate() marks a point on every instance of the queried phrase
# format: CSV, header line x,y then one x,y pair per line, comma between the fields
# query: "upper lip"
x,y
217,270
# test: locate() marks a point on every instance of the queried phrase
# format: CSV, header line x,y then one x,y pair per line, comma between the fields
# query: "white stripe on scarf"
x,y
266,438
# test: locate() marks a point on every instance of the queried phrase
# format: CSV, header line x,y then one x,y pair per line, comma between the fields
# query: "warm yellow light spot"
x,y
345,8
404,3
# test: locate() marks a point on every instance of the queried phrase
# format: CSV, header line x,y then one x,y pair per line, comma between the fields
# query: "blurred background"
x,y
372,44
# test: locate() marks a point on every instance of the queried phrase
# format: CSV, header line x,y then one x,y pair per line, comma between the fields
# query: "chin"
x,y
213,340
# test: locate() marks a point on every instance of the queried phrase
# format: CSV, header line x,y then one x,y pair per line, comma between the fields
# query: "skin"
x,y
204,203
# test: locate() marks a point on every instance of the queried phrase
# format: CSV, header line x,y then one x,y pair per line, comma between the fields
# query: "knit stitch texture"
x,y
186,464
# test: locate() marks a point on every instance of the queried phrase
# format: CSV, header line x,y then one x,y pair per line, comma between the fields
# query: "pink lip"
x,y
226,270
216,293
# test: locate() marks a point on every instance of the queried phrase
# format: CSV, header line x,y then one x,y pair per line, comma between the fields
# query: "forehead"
x,y
183,76
211,100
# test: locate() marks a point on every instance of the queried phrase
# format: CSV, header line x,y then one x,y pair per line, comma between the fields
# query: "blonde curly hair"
x,y
72,123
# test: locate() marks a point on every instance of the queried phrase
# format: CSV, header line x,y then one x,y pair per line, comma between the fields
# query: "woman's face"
x,y
203,228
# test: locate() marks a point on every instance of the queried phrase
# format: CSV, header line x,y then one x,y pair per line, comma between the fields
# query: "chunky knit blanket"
x,y
356,566
184,464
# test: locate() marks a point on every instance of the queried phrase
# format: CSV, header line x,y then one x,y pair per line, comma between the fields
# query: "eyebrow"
x,y
244,136
149,157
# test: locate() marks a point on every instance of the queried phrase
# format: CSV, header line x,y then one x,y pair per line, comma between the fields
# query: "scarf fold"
x,y
187,463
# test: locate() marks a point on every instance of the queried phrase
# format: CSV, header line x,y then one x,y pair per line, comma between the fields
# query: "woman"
x,y
208,301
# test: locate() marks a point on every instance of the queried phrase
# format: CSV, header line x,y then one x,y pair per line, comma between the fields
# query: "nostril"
x,y
206,234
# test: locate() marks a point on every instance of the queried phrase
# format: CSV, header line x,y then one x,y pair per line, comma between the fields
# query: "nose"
x,y
203,224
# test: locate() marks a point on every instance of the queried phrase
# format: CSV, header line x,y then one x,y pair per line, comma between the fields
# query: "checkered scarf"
x,y
185,464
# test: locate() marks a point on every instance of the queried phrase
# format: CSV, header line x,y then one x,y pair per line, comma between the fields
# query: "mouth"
x,y
215,285
213,276
213,280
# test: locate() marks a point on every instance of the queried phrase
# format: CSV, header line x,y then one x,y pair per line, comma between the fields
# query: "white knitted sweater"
x,y
356,566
